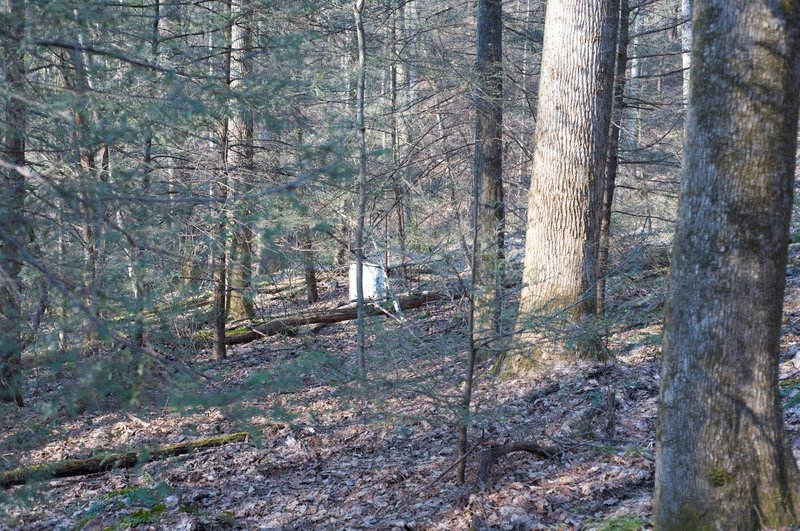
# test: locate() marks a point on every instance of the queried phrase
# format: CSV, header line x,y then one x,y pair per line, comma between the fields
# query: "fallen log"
x,y
335,315
207,299
104,463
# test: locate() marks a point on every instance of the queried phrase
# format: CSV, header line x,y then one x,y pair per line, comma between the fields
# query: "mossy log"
x,y
335,315
103,463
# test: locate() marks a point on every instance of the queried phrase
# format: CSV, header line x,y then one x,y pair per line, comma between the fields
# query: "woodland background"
x,y
194,170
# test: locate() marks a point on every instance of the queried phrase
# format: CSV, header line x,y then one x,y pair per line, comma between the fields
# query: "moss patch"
x,y
619,523
719,477
140,517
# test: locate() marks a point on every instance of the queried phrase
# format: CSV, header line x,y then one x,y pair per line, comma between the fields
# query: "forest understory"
x,y
325,452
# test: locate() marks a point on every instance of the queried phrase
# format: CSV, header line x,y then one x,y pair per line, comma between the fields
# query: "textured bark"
x,y
574,111
488,170
612,163
12,200
241,165
723,460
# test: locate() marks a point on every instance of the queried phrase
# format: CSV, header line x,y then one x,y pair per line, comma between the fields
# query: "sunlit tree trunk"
x,y
573,115
12,221
723,460
488,170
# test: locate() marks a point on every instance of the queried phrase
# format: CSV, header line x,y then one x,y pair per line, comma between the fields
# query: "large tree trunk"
x,y
488,170
574,111
723,460
12,222
612,164
241,165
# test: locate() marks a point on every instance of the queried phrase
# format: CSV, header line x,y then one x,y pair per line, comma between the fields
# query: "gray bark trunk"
x,y
723,460
488,171
574,111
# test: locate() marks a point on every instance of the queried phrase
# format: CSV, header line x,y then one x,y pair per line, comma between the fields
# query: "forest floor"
x,y
328,452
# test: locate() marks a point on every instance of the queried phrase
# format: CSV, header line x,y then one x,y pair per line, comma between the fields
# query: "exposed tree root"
x,y
493,454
